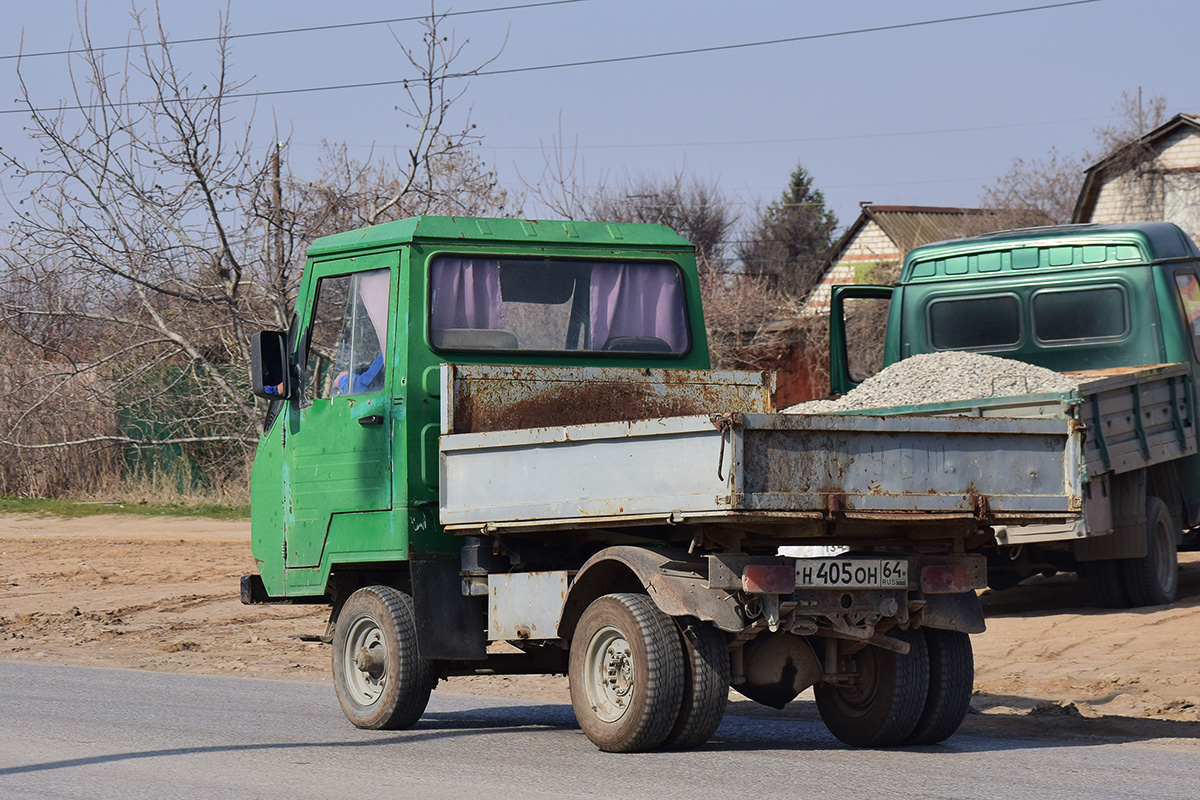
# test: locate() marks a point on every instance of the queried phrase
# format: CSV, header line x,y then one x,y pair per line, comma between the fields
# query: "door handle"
x,y
371,419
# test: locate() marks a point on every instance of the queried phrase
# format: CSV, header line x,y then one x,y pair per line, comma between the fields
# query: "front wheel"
x,y
884,697
382,683
626,673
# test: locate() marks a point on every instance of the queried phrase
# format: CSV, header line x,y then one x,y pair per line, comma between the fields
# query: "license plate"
x,y
862,573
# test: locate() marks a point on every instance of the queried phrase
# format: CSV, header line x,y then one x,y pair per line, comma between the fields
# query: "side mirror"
x,y
269,373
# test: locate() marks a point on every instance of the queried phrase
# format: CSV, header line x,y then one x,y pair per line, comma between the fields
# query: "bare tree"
x,y
692,207
152,234
1044,190
1036,191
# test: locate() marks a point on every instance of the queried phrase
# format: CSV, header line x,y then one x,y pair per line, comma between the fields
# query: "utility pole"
x,y
279,258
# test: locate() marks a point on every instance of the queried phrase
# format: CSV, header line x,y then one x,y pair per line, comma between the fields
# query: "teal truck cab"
x,y
1118,308
495,446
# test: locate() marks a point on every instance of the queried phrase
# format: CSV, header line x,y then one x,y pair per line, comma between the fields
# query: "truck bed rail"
x,y
763,468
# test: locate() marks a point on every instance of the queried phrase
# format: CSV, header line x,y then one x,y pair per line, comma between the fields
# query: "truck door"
x,y
338,456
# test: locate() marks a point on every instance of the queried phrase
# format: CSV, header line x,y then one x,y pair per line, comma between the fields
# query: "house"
x,y
1156,177
872,248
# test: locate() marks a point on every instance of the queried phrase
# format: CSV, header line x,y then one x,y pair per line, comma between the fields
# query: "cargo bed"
x,y
737,464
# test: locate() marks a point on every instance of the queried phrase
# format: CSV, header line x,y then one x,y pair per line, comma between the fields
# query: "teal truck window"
x,y
983,323
553,305
1080,315
348,335
1189,294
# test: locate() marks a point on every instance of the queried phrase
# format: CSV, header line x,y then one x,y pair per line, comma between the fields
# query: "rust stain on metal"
x,y
528,398
835,502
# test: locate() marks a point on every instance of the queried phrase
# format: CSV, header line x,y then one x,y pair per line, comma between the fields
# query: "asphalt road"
x,y
77,732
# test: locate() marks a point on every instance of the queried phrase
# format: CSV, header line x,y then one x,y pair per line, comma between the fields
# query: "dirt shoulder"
x,y
162,594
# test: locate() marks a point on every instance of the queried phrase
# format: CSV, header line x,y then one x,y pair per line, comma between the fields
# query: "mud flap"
x,y
953,612
449,625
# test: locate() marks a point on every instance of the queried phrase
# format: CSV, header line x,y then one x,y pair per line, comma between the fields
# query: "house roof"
x,y
1118,162
907,226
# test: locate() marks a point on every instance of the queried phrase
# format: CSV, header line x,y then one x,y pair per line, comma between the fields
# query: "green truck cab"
x,y
1109,303
346,472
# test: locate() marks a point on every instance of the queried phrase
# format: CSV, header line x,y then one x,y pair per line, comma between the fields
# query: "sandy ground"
x,y
162,594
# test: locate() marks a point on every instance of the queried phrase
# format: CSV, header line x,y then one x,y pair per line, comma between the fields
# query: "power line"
x,y
593,62
284,31
767,42
808,139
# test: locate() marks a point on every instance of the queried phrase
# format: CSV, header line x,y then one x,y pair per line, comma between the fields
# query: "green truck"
x,y
1118,308
496,446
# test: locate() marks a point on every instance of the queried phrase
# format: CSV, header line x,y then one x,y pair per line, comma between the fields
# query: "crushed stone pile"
x,y
943,377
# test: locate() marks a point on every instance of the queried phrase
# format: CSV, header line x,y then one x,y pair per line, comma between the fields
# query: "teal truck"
x,y
1117,307
496,447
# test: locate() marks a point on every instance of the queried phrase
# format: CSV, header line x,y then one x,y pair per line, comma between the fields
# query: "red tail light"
x,y
947,579
767,579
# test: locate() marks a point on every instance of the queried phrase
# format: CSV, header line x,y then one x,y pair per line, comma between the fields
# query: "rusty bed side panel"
x,y
486,398
906,471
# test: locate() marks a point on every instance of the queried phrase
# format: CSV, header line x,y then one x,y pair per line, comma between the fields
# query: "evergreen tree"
x,y
792,237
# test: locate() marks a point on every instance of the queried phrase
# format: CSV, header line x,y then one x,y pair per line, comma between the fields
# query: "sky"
x,y
909,114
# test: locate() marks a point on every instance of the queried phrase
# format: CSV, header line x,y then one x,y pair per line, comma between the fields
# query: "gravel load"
x,y
943,377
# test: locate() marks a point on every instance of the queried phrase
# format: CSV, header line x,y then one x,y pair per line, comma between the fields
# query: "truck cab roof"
x,y
512,231
1066,246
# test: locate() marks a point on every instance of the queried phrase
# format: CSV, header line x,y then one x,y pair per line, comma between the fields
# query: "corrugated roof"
x,y
913,226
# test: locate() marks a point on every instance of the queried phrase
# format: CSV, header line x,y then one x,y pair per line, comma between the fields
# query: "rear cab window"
x,y
479,303
1071,316
975,323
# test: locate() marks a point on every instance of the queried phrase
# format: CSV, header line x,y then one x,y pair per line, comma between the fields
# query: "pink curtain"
x,y
637,300
373,288
466,294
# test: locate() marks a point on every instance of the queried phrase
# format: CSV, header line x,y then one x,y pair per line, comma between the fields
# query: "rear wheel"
x,y
382,683
705,686
886,697
626,673
1106,584
951,681
1154,579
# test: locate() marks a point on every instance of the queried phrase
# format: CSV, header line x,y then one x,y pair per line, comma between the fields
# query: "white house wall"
x,y
869,247
1169,190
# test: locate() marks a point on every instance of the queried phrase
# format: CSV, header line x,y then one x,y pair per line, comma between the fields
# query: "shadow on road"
x,y
433,726
747,727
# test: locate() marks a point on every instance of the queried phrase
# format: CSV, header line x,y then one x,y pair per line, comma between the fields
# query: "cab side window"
x,y
1188,287
348,335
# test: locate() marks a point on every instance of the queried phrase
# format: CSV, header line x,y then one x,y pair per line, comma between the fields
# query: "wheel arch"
x,y
678,587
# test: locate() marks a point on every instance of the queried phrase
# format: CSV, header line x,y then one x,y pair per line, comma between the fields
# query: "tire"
x,y
1154,579
951,681
705,686
382,683
1106,584
626,673
887,702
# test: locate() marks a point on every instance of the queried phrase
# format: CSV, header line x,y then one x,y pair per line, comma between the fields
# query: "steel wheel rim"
x,y
856,699
611,678
1164,546
364,661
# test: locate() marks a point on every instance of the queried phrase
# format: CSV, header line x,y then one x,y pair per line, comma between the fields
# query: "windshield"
x,y
553,305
